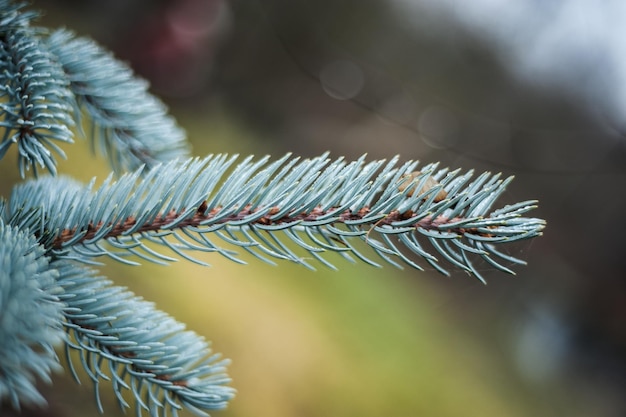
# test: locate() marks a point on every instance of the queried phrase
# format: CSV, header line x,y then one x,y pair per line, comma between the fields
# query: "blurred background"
x,y
530,88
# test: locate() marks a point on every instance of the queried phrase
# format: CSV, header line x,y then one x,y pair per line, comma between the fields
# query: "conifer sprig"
x,y
30,317
123,339
12,16
35,112
317,204
49,80
131,126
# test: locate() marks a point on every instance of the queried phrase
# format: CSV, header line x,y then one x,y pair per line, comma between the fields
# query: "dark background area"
x,y
371,77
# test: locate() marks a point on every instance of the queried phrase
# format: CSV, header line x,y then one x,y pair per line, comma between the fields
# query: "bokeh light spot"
x,y
342,80
438,127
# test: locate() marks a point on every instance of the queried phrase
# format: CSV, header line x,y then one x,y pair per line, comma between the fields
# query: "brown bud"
x,y
430,183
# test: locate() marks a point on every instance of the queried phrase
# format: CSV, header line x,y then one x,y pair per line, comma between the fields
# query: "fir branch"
x,y
30,317
124,339
131,125
35,112
319,205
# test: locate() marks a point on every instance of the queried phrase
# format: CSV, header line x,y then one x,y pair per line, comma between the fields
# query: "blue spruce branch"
x,y
30,316
317,204
124,339
131,125
37,106
49,79
12,16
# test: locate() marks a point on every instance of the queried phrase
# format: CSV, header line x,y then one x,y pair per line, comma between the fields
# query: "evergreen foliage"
x,y
31,315
132,126
161,204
